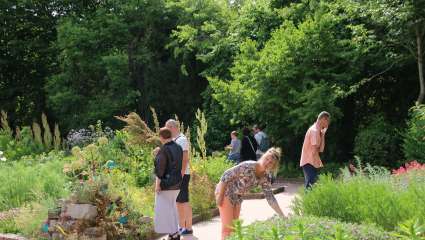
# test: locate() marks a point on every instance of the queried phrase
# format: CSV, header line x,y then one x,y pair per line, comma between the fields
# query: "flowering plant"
x,y
84,137
2,157
410,166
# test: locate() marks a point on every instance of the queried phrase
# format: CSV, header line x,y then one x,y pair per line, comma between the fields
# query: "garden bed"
x,y
372,195
308,228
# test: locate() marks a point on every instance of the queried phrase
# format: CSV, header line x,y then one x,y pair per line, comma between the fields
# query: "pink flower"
x,y
410,166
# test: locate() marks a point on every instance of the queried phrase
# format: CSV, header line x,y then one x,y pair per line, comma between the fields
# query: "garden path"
x,y
252,210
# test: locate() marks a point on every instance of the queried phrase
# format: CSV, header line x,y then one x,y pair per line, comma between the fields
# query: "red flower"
x,y
410,166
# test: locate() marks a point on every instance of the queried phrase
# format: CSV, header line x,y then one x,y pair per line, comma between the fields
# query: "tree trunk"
x,y
419,43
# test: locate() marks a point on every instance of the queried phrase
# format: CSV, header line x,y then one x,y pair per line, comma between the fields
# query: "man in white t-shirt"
x,y
259,136
183,206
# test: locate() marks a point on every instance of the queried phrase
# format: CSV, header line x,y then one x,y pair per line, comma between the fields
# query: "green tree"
x,y
403,23
114,60
27,52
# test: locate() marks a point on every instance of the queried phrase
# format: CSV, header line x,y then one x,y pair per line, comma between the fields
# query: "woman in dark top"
x,y
168,165
249,146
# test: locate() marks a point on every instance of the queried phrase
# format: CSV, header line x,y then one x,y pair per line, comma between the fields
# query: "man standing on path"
x,y
314,143
262,141
183,207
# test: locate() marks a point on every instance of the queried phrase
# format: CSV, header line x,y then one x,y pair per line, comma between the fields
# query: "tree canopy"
x,y
277,63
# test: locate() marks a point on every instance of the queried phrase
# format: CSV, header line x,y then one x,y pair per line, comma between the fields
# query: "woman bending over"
x,y
238,180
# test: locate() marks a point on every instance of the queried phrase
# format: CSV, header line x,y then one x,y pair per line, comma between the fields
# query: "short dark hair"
x,y
165,133
246,131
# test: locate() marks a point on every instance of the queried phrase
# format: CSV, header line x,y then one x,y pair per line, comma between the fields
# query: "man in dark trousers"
x,y
314,143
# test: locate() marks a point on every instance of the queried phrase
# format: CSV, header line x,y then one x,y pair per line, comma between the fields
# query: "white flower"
x,y
1,153
3,159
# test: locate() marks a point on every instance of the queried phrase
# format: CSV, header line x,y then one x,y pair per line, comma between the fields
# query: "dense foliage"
x,y
370,196
96,162
309,228
377,143
273,62
26,181
414,143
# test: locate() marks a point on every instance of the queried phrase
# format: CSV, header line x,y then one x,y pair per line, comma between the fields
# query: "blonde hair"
x,y
276,154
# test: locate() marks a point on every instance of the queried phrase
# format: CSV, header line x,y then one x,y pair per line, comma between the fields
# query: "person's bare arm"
x,y
316,141
275,206
219,194
322,142
157,184
185,162
271,200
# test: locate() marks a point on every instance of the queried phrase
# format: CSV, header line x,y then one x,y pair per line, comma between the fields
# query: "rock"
x,y
145,220
94,232
11,237
57,236
53,213
68,225
84,237
52,223
81,211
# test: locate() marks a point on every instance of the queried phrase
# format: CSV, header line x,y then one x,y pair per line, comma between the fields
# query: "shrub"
x,y
384,200
414,138
14,149
308,228
205,175
290,170
202,194
213,167
29,219
377,143
117,153
86,136
22,182
332,168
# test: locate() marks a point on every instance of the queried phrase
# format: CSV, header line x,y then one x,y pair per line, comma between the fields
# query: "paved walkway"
x,y
252,210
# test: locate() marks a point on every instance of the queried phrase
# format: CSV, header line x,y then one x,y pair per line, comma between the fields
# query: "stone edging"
x,y
11,237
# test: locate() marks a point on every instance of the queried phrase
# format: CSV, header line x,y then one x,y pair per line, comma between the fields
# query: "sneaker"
x,y
173,237
186,232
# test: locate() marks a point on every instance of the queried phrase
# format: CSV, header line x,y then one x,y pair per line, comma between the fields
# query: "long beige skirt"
x,y
166,218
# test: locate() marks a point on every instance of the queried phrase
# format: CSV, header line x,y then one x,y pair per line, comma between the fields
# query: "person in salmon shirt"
x,y
314,143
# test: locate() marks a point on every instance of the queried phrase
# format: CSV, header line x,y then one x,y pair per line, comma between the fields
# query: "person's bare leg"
x,y
182,216
226,216
188,216
237,211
